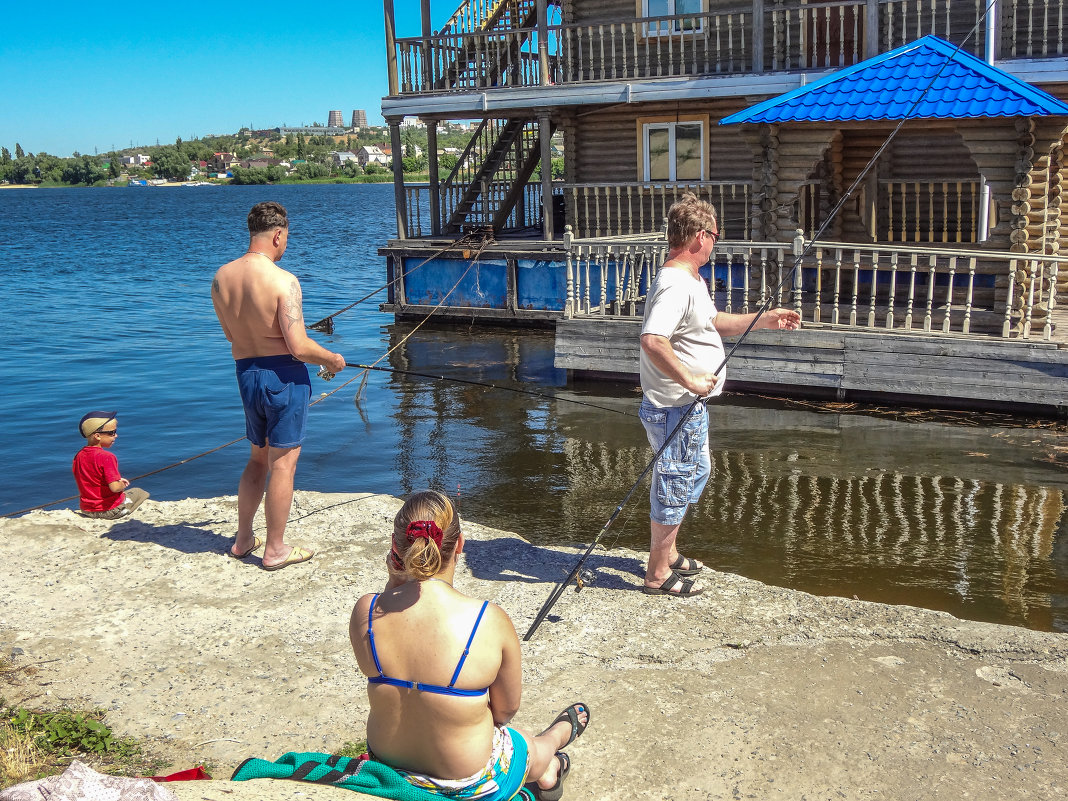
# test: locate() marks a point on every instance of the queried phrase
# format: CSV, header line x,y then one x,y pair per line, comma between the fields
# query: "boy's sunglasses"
x,y
113,433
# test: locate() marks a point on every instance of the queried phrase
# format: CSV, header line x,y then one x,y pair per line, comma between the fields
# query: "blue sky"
x,y
96,76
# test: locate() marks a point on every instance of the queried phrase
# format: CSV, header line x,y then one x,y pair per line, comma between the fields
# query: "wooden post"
x,y
544,134
543,44
758,35
871,28
391,46
398,177
435,184
427,33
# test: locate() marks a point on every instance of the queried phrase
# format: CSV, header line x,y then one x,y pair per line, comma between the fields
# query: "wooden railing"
x,y
930,211
464,61
611,209
652,47
1033,28
525,214
761,36
892,288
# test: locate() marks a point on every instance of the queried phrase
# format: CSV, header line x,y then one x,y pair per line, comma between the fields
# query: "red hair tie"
x,y
424,529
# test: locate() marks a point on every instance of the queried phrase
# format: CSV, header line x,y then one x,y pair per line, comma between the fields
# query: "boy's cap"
x,y
94,421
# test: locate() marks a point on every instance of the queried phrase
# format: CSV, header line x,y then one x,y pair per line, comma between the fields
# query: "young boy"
x,y
104,492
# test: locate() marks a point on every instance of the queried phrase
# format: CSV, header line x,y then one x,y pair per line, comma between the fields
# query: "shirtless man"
x,y
259,307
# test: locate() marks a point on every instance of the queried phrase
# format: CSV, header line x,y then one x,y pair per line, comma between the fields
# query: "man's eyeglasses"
x,y
714,235
113,433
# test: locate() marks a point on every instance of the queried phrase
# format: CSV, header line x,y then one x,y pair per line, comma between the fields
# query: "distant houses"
x,y
222,162
373,154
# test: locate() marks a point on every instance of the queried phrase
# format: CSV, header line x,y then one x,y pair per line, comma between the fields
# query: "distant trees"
x,y
248,175
175,162
85,170
311,169
170,162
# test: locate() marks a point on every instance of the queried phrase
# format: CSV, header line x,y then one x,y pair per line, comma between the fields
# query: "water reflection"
x,y
929,514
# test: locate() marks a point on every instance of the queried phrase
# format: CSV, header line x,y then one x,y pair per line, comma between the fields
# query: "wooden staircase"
x,y
505,25
487,181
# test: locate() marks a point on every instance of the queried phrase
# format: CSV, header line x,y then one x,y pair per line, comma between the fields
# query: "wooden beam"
x,y
545,134
435,182
398,179
391,46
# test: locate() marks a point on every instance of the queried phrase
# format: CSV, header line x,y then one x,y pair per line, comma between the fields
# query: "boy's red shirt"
x,y
94,468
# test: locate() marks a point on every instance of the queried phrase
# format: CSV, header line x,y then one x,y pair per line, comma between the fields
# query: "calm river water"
x,y
107,306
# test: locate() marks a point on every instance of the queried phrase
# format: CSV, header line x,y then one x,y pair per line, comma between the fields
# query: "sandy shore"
x,y
748,691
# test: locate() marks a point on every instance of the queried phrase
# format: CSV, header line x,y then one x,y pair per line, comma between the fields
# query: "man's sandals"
x,y
665,588
556,792
686,567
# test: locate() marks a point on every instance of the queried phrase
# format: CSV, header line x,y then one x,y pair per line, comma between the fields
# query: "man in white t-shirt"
x,y
680,352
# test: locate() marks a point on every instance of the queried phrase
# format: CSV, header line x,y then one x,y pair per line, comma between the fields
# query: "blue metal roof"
x,y
947,82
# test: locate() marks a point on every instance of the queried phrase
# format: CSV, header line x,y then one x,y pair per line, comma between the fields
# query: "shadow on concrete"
x,y
518,560
189,537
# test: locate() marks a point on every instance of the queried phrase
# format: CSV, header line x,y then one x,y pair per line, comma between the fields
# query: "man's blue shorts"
x,y
275,391
681,472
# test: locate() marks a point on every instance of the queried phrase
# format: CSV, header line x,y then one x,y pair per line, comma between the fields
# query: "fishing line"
x,y
320,399
326,325
577,572
487,384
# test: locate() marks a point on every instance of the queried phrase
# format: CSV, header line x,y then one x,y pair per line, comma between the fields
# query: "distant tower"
x,y
335,120
359,118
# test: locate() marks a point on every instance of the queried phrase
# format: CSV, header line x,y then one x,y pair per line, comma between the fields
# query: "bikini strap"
x,y
467,648
371,634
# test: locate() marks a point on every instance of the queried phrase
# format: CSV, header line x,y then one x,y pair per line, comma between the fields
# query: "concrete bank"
x,y
748,691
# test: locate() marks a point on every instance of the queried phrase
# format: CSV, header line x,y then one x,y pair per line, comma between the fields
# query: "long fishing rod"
x,y
326,325
583,577
488,385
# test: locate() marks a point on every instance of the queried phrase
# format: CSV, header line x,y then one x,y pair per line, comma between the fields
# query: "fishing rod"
x,y
323,373
471,382
584,577
326,325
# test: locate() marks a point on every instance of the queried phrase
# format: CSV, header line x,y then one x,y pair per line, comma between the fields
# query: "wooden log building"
x,y
892,168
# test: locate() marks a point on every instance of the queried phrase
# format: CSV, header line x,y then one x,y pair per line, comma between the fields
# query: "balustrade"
x,y
613,209
894,288
471,53
526,214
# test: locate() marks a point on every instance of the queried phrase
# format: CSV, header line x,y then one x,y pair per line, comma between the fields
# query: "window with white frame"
x,y
673,150
672,8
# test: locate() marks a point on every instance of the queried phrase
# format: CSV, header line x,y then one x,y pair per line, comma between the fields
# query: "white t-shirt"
x,y
679,307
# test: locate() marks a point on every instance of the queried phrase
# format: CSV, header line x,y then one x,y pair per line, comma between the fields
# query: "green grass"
x,y
34,744
353,749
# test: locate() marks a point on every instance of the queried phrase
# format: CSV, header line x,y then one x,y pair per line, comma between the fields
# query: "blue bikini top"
x,y
382,678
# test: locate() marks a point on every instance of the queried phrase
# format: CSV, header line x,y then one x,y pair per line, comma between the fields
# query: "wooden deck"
x,y
1019,376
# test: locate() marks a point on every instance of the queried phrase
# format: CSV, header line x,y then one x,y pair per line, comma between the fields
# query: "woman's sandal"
x,y
556,792
685,566
571,716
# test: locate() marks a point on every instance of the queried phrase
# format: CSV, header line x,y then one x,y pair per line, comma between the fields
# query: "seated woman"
x,y
444,674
